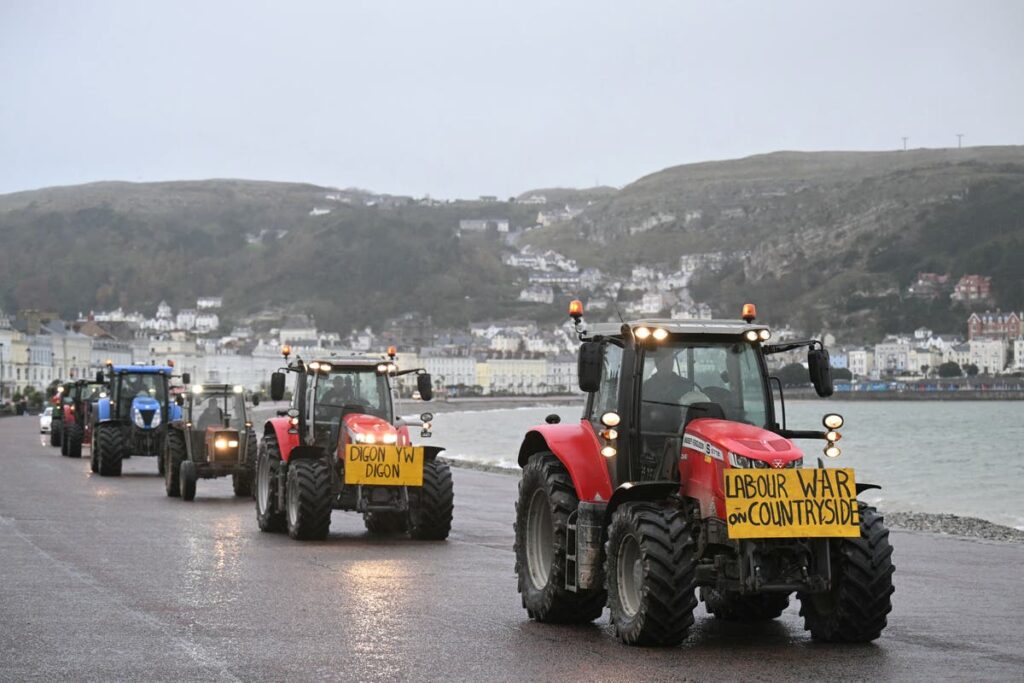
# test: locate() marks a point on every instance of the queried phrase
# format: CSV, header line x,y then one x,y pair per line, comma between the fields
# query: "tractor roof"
x,y
144,369
690,327
218,388
348,361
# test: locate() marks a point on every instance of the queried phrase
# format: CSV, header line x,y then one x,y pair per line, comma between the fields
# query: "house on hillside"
x,y
998,325
972,288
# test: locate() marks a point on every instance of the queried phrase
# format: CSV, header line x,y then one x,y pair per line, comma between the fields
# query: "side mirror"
x,y
588,368
255,399
186,378
424,386
277,386
99,376
820,370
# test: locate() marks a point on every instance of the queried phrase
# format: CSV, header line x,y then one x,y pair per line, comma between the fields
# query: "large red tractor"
x,y
680,477
73,415
342,447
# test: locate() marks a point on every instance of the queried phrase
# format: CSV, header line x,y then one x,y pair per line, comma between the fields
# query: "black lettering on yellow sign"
x,y
791,503
384,465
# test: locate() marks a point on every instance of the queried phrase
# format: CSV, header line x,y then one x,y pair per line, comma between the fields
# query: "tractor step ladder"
x,y
571,548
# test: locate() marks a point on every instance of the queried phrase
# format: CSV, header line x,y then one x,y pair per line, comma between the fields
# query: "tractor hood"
x,y
362,428
146,412
718,438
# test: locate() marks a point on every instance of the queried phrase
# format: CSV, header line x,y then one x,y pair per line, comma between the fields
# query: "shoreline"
x,y
942,524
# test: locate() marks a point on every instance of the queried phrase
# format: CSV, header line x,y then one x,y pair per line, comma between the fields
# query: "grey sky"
x,y
469,98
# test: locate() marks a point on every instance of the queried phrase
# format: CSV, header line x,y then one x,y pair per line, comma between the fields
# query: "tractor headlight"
x,y
743,462
389,438
232,443
137,419
832,421
221,443
365,438
155,422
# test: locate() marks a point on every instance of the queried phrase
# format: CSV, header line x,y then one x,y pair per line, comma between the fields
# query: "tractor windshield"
x,y
222,409
681,377
349,390
142,384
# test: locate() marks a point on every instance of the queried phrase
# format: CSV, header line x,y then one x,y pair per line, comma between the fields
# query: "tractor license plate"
x,y
792,503
384,465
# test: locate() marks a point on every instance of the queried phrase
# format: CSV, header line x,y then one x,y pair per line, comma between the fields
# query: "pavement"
x,y
108,579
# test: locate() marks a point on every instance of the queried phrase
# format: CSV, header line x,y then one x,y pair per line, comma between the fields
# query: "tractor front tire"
x,y
386,523
546,499
175,455
731,606
71,444
241,484
188,476
650,574
855,609
268,516
308,504
55,430
431,505
109,445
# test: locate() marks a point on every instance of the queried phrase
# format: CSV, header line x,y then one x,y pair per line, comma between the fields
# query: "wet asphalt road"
x,y
107,579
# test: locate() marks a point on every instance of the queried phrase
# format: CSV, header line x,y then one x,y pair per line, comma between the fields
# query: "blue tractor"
x,y
131,417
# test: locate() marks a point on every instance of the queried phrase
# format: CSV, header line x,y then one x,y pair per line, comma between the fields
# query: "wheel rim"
x,y
263,485
293,502
539,540
629,573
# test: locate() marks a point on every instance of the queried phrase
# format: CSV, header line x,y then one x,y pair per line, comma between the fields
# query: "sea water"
x,y
960,457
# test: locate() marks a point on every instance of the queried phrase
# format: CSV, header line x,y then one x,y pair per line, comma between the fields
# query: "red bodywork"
x,y
700,471
69,419
577,447
288,436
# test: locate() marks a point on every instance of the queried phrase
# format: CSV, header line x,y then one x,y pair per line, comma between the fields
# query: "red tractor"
x,y
342,447
680,477
71,416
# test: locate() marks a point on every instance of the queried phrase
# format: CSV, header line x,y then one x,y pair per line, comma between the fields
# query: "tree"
x,y
841,373
950,369
971,369
794,375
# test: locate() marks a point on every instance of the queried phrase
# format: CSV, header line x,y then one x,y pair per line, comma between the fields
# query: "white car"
x,y
45,418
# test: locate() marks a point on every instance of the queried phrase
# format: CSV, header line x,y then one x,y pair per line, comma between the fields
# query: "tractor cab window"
x,y
606,398
348,390
130,386
684,381
225,409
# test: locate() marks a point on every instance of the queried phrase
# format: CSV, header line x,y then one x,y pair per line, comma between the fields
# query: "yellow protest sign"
x,y
791,503
384,465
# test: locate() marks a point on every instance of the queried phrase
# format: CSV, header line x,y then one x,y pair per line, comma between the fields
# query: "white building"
x,y
1018,353
989,355
860,362
538,294
893,357
207,322
186,319
451,370
206,302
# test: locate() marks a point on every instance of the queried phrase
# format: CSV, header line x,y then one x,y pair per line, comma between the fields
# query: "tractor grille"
x,y
147,416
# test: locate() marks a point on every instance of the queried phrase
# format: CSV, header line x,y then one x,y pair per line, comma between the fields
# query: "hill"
x,y
819,239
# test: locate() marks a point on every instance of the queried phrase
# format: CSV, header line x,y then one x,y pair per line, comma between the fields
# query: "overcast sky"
x,y
459,99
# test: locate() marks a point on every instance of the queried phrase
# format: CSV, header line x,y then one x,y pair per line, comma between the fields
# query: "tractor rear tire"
x,y
71,444
251,450
650,574
109,444
386,523
175,455
731,606
268,460
160,463
55,429
431,505
188,476
546,499
855,610
308,503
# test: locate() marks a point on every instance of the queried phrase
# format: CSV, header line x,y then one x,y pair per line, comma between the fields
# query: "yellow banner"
x,y
791,503
384,465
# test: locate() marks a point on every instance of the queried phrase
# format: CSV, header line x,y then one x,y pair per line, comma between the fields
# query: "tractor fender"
x,y
430,453
69,415
862,487
645,490
286,441
103,409
577,448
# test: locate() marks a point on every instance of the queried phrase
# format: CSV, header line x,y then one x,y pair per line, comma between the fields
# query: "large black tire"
x,y
188,476
268,460
160,462
431,505
308,503
94,450
732,606
109,443
546,499
855,610
241,484
174,454
56,428
71,441
250,461
386,523
650,573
